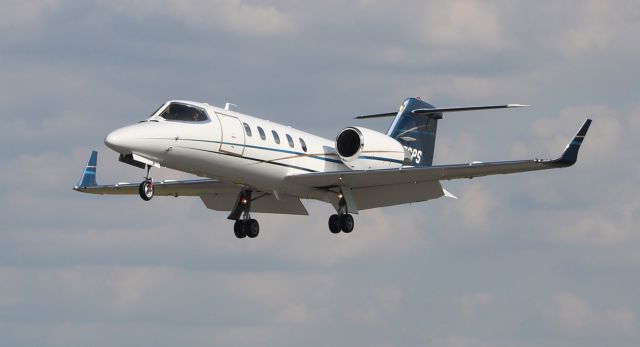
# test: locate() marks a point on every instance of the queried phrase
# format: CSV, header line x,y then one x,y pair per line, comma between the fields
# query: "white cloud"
x,y
380,306
170,272
473,212
18,15
470,341
462,24
245,19
574,316
608,210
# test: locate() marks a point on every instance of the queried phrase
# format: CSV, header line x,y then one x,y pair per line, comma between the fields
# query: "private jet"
x,y
248,164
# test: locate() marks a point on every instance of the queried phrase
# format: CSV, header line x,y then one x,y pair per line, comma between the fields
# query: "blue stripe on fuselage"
x,y
283,151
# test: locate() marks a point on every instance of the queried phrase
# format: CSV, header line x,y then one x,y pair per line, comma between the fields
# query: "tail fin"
x,y
88,178
416,134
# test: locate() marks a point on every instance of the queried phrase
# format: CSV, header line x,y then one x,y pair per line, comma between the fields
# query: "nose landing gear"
x,y
146,187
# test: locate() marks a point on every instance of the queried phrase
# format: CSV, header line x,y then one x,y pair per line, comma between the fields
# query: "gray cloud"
x,y
533,259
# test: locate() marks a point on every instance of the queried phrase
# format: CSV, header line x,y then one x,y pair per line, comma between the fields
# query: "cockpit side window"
x,y
156,111
184,113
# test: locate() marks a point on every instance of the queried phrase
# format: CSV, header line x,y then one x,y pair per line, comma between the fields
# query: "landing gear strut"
x,y
146,187
244,225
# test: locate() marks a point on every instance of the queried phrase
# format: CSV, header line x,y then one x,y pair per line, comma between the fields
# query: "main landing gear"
x,y
244,225
246,228
342,221
146,187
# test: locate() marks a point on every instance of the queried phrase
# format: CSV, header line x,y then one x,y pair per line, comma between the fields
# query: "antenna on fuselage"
x,y
228,105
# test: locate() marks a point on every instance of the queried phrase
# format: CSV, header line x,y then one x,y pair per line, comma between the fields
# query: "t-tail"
x,y
415,126
416,133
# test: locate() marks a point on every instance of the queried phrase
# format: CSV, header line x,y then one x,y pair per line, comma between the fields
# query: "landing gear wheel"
x,y
146,190
252,228
334,223
346,223
238,229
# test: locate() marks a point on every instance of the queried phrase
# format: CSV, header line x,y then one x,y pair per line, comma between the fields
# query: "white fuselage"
x,y
221,148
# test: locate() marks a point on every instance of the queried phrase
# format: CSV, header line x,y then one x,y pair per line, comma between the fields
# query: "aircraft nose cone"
x,y
115,141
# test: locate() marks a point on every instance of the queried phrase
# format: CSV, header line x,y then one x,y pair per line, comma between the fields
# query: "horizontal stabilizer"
x,y
427,111
378,115
463,109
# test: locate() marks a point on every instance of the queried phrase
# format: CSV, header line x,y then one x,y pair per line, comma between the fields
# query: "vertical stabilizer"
x,y
417,133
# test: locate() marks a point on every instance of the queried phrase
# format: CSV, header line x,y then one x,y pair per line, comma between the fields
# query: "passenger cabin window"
x,y
247,129
276,137
303,144
184,113
261,132
290,139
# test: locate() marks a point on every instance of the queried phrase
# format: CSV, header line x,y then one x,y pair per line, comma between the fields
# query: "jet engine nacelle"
x,y
366,149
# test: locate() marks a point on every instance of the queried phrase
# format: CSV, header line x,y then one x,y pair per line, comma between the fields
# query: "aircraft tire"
x,y
238,229
334,223
146,190
347,223
252,228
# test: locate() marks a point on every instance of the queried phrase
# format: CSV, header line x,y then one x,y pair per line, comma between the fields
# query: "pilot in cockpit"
x,y
196,116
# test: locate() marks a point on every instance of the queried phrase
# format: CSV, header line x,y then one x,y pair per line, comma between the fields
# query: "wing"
x,y
215,194
410,184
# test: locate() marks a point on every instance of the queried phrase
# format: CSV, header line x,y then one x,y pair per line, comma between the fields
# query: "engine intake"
x,y
349,142
366,149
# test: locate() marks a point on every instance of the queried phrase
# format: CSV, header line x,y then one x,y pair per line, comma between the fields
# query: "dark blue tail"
x,y
417,133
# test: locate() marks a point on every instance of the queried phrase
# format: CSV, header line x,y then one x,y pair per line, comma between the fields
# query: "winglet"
x,y
88,178
570,154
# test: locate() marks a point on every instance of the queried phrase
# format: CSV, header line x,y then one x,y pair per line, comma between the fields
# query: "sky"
x,y
546,258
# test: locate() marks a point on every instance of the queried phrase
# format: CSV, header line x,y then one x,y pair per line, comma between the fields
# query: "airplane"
x,y
255,165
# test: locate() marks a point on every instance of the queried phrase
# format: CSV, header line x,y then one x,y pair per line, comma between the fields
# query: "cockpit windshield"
x,y
184,113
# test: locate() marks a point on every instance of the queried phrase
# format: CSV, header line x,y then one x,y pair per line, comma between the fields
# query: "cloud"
x,y
469,341
474,210
235,16
89,270
18,14
574,316
381,304
468,24
471,304
606,210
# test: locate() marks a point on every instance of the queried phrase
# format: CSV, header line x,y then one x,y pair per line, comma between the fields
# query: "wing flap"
x,y
265,203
